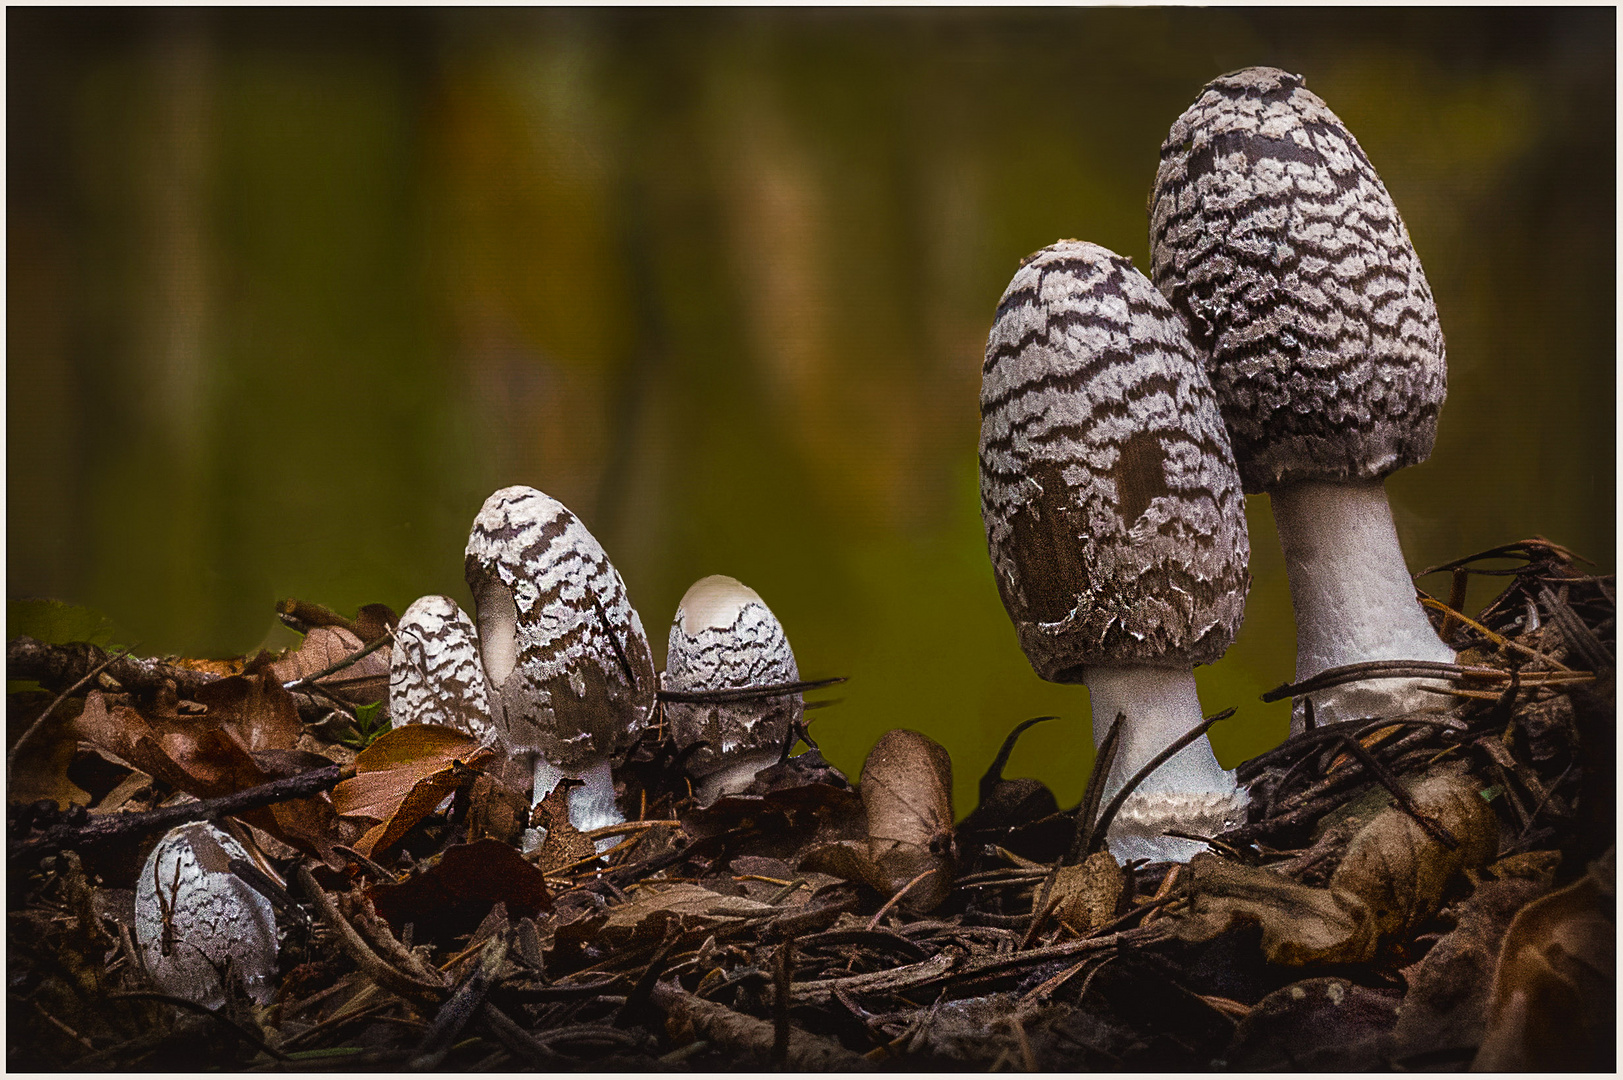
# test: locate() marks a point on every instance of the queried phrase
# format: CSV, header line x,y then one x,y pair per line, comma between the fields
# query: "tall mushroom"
x,y
1275,239
1115,521
571,677
724,637
435,674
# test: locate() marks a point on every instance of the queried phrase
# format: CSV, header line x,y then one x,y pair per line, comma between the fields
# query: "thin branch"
x,y
745,693
309,681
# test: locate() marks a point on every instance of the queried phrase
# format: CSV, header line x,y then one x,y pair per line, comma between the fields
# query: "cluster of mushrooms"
x,y
1288,344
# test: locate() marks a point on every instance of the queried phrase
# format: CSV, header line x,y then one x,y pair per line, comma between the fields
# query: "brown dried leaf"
x,y
362,683
41,769
565,845
402,776
254,710
1089,896
906,791
1554,998
460,887
496,810
1401,871
1300,924
847,859
651,910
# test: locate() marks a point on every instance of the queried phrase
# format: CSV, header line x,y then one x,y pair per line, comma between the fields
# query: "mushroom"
x,y
1115,522
724,637
196,922
435,674
570,675
1277,242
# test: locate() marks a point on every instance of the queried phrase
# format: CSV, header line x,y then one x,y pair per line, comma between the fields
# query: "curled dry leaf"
x,y
364,682
1400,870
1300,924
402,776
906,793
1089,896
1554,998
564,845
455,891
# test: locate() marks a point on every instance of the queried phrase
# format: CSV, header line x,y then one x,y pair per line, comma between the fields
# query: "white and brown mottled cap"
x,y
1112,508
1274,238
435,674
569,670
724,637
194,917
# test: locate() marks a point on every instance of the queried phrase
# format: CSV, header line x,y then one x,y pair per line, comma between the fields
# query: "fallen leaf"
x,y
1554,998
254,710
1317,1024
40,772
403,776
564,845
906,790
1400,870
1300,924
364,682
455,891
1089,896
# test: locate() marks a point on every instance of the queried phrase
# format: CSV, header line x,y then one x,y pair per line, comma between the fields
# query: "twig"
x,y
55,666
98,830
185,1003
1497,638
882,912
309,681
746,693
39,721
460,1007
371,965
1379,669
1437,829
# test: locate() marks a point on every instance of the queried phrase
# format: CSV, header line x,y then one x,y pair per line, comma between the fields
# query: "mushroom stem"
x,y
1190,793
591,806
1354,598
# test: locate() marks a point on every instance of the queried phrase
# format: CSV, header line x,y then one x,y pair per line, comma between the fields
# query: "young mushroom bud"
x,y
1275,239
724,637
571,678
1115,522
197,924
435,674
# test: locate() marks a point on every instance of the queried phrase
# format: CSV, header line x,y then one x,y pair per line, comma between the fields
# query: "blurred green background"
x,y
291,291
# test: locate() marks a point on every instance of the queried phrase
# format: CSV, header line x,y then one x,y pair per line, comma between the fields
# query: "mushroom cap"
x,y
1112,508
725,637
214,917
567,663
1273,236
435,674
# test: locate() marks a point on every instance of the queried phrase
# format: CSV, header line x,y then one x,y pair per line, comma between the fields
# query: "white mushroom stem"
x,y
1354,598
1190,793
591,806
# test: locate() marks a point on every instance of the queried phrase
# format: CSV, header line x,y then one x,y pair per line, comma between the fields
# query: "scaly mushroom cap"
x,y
1112,508
1273,236
725,637
567,662
193,916
435,674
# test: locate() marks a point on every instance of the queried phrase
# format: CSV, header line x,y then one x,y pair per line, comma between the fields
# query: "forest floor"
x,y
1429,891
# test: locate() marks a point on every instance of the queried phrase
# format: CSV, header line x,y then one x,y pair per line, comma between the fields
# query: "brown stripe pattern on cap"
x,y
1273,236
435,674
583,683
1112,508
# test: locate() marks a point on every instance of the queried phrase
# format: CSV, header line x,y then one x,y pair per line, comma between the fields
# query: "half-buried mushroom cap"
x,y
724,637
1115,520
435,674
570,674
196,921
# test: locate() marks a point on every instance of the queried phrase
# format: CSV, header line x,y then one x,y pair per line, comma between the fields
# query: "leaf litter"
x,y
1429,891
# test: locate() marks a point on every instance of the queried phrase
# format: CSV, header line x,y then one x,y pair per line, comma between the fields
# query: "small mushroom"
x,y
724,637
1115,522
1275,239
198,924
570,675
435,674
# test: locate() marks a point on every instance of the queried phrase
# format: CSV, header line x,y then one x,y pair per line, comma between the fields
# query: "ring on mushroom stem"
x,y
570,676
1273,236
1115,523
724,637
